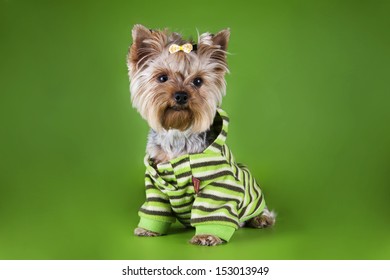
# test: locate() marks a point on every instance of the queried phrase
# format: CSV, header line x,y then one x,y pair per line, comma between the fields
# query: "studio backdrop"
x,y
308,101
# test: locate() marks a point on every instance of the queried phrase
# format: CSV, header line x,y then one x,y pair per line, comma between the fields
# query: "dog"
x,y
191,175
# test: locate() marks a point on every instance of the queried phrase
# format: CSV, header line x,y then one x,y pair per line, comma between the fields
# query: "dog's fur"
x,y
178,126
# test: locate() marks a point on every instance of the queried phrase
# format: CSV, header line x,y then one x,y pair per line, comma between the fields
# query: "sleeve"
x,y
215,210
155,214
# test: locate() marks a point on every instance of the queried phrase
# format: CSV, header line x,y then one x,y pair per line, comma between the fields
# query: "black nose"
x,y
181,97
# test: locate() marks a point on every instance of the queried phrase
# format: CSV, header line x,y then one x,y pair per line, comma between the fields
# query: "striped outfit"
x,y
207,190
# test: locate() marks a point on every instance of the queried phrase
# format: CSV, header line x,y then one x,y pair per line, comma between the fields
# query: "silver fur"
x,y
175,142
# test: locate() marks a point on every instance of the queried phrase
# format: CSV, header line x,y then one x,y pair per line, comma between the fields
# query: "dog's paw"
x,y
144,232
206,240
265,219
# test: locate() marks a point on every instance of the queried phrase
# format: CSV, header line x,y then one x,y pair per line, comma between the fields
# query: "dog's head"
x,y
175,83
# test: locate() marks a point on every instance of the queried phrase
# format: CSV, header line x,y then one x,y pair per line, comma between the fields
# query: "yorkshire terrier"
x,y
191,175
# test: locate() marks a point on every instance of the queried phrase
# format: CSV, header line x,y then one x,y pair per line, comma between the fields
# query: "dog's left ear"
x,y
219,40
213,47
222,39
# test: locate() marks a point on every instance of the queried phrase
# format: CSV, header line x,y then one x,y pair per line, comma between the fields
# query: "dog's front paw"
x,y
145,232
206,240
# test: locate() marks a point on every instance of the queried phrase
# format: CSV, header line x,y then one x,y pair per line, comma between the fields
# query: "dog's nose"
x,y
181,97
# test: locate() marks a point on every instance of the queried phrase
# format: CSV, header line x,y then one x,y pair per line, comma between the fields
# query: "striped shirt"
x,y
207,190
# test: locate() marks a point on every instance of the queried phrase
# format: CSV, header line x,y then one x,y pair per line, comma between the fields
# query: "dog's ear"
x,y
222,39
218,41
140,33
214,48
146,43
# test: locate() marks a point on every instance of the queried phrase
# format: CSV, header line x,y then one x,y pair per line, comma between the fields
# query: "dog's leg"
x,y
144,232
206,240
265,219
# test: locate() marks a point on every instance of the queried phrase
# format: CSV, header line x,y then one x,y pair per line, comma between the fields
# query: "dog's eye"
x,y
197,82
162,78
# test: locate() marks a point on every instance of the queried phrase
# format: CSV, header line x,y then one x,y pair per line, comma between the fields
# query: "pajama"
x,y
207,190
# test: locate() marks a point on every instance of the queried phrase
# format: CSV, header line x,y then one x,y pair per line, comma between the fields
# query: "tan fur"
x,y
206,240
144,232
149,57
265,219
180,119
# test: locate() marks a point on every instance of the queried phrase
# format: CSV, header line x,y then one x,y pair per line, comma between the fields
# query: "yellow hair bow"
x,y
187,48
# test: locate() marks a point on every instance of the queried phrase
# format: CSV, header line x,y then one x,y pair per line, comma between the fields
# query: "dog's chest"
x,y
174,143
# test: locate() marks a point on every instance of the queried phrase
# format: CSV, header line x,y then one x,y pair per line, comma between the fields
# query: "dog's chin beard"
x,y
177,117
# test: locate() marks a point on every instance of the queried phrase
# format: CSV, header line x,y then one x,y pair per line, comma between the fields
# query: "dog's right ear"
x,y
140,33
146,43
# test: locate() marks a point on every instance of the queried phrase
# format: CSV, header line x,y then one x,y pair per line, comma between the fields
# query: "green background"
x,y
308,98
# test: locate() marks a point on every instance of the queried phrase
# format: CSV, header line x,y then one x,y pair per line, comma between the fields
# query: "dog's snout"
x,y
181,97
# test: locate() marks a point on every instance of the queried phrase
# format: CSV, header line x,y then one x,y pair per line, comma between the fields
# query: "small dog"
x,y
177,86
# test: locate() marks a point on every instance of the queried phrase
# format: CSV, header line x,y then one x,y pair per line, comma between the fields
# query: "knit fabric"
x,y
207,190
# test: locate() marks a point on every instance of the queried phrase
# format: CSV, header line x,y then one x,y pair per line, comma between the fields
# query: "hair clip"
x,y
187,48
